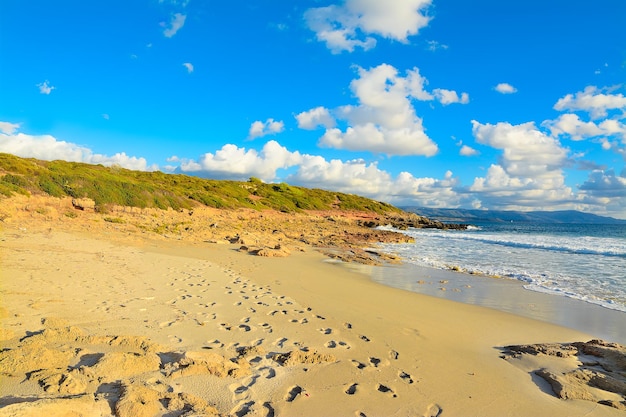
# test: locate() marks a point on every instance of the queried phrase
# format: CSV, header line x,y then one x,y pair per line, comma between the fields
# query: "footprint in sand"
x,y
386,390
359,365
433,410
268,372
405,377
394,355
333,344
326,331
266,327
167,323
225,326
351,390
294,392
240,389
281,342
365,338
244,327
374,362
214,344
270,409
242,409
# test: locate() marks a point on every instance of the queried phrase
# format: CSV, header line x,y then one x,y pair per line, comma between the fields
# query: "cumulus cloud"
x,y
176,23
354,176
384,120
606,192
350,25
530,169
446,97
189,67
49,148
319,116
592,100
577,129
45,87
238,163
606,184
505,88
269,127
526,150
468,151
9,128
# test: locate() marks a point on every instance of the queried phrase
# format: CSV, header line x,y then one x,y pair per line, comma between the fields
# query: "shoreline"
x,y
503,295
284,336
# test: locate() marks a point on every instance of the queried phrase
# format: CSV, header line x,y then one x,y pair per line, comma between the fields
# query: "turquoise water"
x,y
584,262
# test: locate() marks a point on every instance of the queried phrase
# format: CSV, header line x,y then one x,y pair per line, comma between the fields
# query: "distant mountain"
x,y
469,216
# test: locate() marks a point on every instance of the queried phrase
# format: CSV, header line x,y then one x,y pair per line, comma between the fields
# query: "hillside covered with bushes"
x,y
116,186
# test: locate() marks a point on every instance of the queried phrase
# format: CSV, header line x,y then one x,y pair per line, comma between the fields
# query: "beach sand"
x,y
122,325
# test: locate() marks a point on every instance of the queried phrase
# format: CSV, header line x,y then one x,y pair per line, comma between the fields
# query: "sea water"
x,y
581,261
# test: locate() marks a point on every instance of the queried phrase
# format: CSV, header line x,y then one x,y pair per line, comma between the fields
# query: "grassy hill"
x,y
109,186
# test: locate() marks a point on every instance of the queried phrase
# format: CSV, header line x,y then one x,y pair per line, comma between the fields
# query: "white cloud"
x,y
269,127
189,67
384,120
446,97
45,87
593,101
238,163
571,125
9,128
349,25
505,88
606,184
176,23
526,150
368,180
105,116
435,46
468,151
529,174
319,116
605,192
48,148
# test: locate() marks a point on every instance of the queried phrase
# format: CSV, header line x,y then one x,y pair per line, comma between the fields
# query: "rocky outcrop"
x,y
600,374
265,233
410,220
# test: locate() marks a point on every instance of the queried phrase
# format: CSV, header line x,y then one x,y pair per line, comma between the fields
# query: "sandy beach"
x,y
119,324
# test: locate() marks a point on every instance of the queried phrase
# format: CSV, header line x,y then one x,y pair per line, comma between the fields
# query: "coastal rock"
x,y
598,374
410,220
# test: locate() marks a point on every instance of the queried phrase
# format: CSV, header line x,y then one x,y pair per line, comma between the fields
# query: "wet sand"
x,y
504,295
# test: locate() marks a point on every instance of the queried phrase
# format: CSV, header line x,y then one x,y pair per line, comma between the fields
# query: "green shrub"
x,y
123,187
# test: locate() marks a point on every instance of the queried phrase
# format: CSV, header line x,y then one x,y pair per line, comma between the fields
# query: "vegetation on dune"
x,y
108,186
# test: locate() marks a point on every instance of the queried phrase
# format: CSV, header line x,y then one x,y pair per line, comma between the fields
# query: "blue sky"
x,y
482,104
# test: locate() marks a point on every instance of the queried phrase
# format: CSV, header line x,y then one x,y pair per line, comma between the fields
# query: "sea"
x,y
585,262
